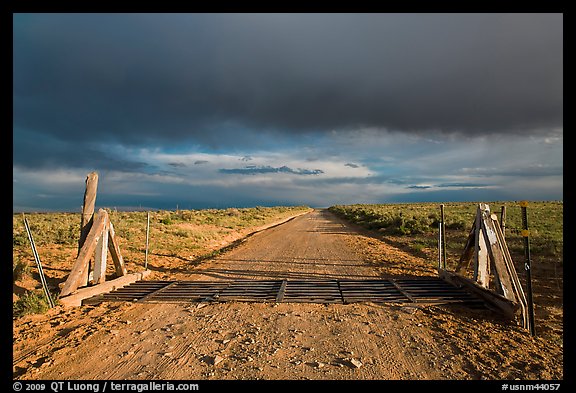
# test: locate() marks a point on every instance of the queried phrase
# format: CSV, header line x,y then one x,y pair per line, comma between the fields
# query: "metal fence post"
x,y
443,236
527,265
38,264
147,232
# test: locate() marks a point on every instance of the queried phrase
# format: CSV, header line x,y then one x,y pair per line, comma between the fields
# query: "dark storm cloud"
x,y
136,78
34,150
254,169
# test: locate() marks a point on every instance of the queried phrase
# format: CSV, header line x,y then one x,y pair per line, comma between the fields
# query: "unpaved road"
x,y
309,246
284,341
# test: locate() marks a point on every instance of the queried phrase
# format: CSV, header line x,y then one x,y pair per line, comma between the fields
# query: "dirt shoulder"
x,y
285,341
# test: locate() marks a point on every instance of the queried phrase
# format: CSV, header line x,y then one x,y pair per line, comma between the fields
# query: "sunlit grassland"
x,y
418,222
184,234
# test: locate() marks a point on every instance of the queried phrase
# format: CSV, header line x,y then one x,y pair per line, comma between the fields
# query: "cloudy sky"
x,y
219,110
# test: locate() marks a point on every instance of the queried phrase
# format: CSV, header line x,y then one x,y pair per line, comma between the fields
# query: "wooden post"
x,y
482,260
87,218
468,253
114,248
101,255
477,240
509,264
81,265
497,256
88,207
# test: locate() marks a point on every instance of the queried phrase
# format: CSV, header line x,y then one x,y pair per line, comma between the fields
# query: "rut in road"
x,y
309,246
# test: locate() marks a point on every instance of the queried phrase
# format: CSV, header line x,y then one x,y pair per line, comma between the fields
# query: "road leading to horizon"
x,y
310,246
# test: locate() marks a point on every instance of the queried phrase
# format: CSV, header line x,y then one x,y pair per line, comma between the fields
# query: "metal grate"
x,y
423,290
312,291
371,290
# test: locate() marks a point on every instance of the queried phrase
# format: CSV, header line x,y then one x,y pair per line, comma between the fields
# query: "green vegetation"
x,y
32,302
419,221
19,269
46,228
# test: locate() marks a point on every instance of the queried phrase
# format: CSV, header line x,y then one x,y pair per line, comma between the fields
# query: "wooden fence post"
x,y
114,248
81,265
87,218
88,207
101,255
482,262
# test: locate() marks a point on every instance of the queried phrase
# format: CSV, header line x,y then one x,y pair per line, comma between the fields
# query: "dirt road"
x,y
285,341
307,247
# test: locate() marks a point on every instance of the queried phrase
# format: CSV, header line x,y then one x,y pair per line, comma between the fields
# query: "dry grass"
x,y
177,239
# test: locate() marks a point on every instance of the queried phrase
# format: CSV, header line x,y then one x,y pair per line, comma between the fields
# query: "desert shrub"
x,y
186,215
418,246
389,221
166,221
458,225
546,246
19,239
180,233
234,212
434,220
32,302
66,235
19,269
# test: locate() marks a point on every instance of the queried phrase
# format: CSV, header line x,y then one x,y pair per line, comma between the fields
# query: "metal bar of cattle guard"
x,y
38,264
527,265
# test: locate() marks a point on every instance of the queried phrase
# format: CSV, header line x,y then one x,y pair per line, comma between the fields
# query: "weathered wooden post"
x,y
87,218
88,207
481,257
78,272
101,255
97,238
